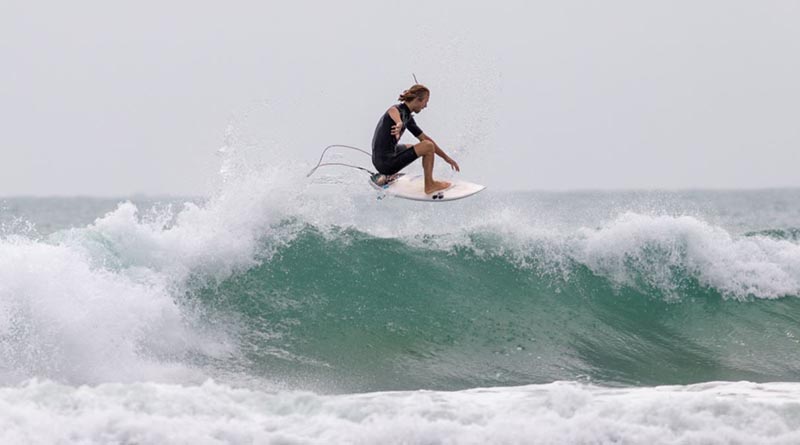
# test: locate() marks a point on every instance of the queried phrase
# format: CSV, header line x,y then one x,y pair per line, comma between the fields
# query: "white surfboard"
x,y
413,187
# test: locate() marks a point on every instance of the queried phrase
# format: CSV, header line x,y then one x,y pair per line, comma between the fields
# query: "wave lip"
x,y
664,251
561,412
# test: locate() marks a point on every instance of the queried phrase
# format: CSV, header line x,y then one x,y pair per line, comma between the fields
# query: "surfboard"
x,y
413,187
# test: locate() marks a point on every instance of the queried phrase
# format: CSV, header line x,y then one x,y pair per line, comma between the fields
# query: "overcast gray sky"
x,y
115,98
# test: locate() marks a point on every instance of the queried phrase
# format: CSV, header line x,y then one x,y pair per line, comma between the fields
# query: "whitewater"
x,y
265,313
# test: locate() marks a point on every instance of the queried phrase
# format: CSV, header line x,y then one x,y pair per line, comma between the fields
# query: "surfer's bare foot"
x,y
436,186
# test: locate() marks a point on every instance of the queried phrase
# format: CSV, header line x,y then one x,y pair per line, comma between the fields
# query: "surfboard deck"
x,y
413,187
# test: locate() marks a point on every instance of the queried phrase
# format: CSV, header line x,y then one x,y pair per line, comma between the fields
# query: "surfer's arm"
x,y
440,152
398,122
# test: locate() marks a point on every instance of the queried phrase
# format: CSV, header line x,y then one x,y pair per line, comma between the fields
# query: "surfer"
x,y
389,157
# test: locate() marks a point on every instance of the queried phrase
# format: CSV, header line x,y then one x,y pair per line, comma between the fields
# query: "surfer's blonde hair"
x,y
415,92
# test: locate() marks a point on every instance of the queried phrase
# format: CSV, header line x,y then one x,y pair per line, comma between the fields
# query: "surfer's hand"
x,y
396,130
453,164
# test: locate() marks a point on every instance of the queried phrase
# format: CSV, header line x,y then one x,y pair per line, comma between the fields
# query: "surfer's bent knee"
x,y
423,148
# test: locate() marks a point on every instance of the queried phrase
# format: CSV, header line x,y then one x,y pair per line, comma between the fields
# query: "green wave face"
x,y
352,312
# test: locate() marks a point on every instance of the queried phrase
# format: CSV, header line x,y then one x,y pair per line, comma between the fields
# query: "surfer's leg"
x,y
427,150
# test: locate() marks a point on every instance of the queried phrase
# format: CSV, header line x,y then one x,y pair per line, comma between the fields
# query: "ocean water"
x,y
267,314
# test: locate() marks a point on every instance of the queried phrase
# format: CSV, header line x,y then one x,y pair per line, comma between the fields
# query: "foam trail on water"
x,y
709,413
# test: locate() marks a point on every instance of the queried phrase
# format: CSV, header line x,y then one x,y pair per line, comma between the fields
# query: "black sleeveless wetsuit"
x,y
388,156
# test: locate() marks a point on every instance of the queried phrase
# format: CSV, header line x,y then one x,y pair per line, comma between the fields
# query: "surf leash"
x,y
321,164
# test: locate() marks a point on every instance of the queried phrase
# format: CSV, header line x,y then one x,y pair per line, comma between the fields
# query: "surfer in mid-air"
x,y
389,157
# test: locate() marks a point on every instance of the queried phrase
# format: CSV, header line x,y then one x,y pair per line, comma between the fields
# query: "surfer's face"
x,y
419,104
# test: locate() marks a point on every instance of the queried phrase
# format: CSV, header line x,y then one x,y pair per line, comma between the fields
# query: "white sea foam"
x,y
42,412
106,302
662,250
61,318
